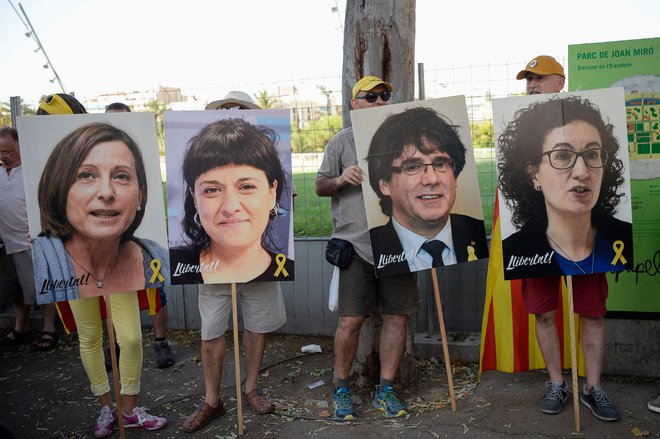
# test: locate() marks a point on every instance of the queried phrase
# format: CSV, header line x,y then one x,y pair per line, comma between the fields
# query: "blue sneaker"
x,y
344,409
387,402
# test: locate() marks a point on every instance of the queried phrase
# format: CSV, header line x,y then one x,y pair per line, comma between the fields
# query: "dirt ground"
x,y
46,395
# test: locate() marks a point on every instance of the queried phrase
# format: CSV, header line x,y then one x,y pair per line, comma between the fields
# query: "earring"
x,y
538,188
139,208
274,212
196,219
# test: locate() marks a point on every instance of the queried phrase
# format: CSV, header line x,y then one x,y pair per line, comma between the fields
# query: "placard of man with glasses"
x,y
414,160
563,176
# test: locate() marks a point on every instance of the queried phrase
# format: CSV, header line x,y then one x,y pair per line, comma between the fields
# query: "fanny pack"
x,y
339,252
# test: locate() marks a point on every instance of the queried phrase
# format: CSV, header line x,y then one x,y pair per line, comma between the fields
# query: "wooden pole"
x,y
445,349
574,371
237,363
115,369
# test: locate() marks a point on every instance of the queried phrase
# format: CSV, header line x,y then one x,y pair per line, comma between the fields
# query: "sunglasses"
x,y
46,99
371,96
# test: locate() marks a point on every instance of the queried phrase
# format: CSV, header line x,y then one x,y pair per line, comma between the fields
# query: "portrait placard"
x,y
95,204
229,186
420,185
563,175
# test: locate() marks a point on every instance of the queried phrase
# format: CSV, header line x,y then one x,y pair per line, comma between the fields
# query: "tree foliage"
x,y
482,133
158,108
264,100
5,112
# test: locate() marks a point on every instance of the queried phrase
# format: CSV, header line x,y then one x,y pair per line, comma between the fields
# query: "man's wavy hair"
x,y
408,128
521,145
229,142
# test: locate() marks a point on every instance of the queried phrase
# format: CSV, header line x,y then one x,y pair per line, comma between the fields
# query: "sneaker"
x,y
654,403
555,399
387,402
343,401
140,418
104,423
164,357
599,404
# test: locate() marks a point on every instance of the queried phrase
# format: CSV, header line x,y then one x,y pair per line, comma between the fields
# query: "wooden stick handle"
x,y
115,368
445,348
237,361
574,371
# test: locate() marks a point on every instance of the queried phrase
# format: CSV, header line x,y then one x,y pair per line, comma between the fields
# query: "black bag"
x,y
339,252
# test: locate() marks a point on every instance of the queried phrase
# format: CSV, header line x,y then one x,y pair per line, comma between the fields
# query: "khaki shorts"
x,y
17,277
360,290
262,305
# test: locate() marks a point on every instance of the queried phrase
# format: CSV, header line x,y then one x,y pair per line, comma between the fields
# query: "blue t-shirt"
x,y
599,261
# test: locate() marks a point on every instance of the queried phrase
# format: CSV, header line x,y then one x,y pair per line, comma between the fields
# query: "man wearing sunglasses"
x,y
340,177
415,158
544,74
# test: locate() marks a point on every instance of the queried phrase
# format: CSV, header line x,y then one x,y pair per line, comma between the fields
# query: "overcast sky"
x,y
100,46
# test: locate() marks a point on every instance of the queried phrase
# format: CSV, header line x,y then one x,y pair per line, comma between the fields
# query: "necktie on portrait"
x,y
435,248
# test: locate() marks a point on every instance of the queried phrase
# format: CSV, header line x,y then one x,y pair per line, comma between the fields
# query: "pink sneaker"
x,y
104,423
140,418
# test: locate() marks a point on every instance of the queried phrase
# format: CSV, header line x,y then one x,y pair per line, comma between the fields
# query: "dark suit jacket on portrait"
x,y
466,231
530,242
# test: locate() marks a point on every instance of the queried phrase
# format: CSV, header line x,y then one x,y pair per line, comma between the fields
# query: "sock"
x,y
384,382
342,382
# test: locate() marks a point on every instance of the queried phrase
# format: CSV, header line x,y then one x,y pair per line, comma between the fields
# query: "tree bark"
x,y
379,40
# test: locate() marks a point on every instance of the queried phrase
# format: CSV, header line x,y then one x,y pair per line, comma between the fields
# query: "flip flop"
x,y
46,342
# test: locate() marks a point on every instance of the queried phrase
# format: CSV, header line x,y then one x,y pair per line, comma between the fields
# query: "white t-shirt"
x,y
14,229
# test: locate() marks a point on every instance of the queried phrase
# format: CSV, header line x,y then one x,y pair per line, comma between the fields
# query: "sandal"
x,y
17,339
46,342
202,416
258,402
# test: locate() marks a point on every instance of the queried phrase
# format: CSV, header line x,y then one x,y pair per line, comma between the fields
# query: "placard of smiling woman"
x,y
95,204
562,165
420,185
229,196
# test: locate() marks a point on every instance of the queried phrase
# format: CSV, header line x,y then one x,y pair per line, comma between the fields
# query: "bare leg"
x,y
254,344
593,346
105,400
548,339
392,344
128,403
22,315
346,344
213,357
160,323
48,317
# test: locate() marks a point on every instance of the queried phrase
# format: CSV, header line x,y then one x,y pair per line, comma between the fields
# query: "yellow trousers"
x,y
126,320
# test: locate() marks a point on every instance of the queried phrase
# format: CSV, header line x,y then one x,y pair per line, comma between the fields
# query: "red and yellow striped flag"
x,y
508,340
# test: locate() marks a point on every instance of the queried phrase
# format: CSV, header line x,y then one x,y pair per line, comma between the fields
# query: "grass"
x,y
312,213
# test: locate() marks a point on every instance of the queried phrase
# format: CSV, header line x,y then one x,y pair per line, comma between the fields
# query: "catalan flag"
x,y
147,299
508,339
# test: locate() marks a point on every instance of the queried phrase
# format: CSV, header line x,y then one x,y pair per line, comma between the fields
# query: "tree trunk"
x,y
379,39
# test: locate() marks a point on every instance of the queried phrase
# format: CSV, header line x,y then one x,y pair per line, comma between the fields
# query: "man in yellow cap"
x,y
340,177
543,75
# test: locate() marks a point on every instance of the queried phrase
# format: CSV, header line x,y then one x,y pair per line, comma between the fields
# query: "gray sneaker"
x,y
555,399
599,404
164,357
654,403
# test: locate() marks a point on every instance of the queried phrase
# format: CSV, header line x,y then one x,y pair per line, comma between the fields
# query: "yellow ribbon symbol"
x,y
471,255
155,267
280,259
618,249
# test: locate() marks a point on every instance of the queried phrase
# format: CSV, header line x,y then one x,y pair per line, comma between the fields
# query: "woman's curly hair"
x,y
521,145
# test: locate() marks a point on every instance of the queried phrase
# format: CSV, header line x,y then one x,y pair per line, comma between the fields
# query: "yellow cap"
x,y
369,82
54,104
542,65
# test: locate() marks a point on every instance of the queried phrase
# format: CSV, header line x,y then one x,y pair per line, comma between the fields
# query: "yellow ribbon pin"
x,y
471,254
155,267
618,249
280,259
